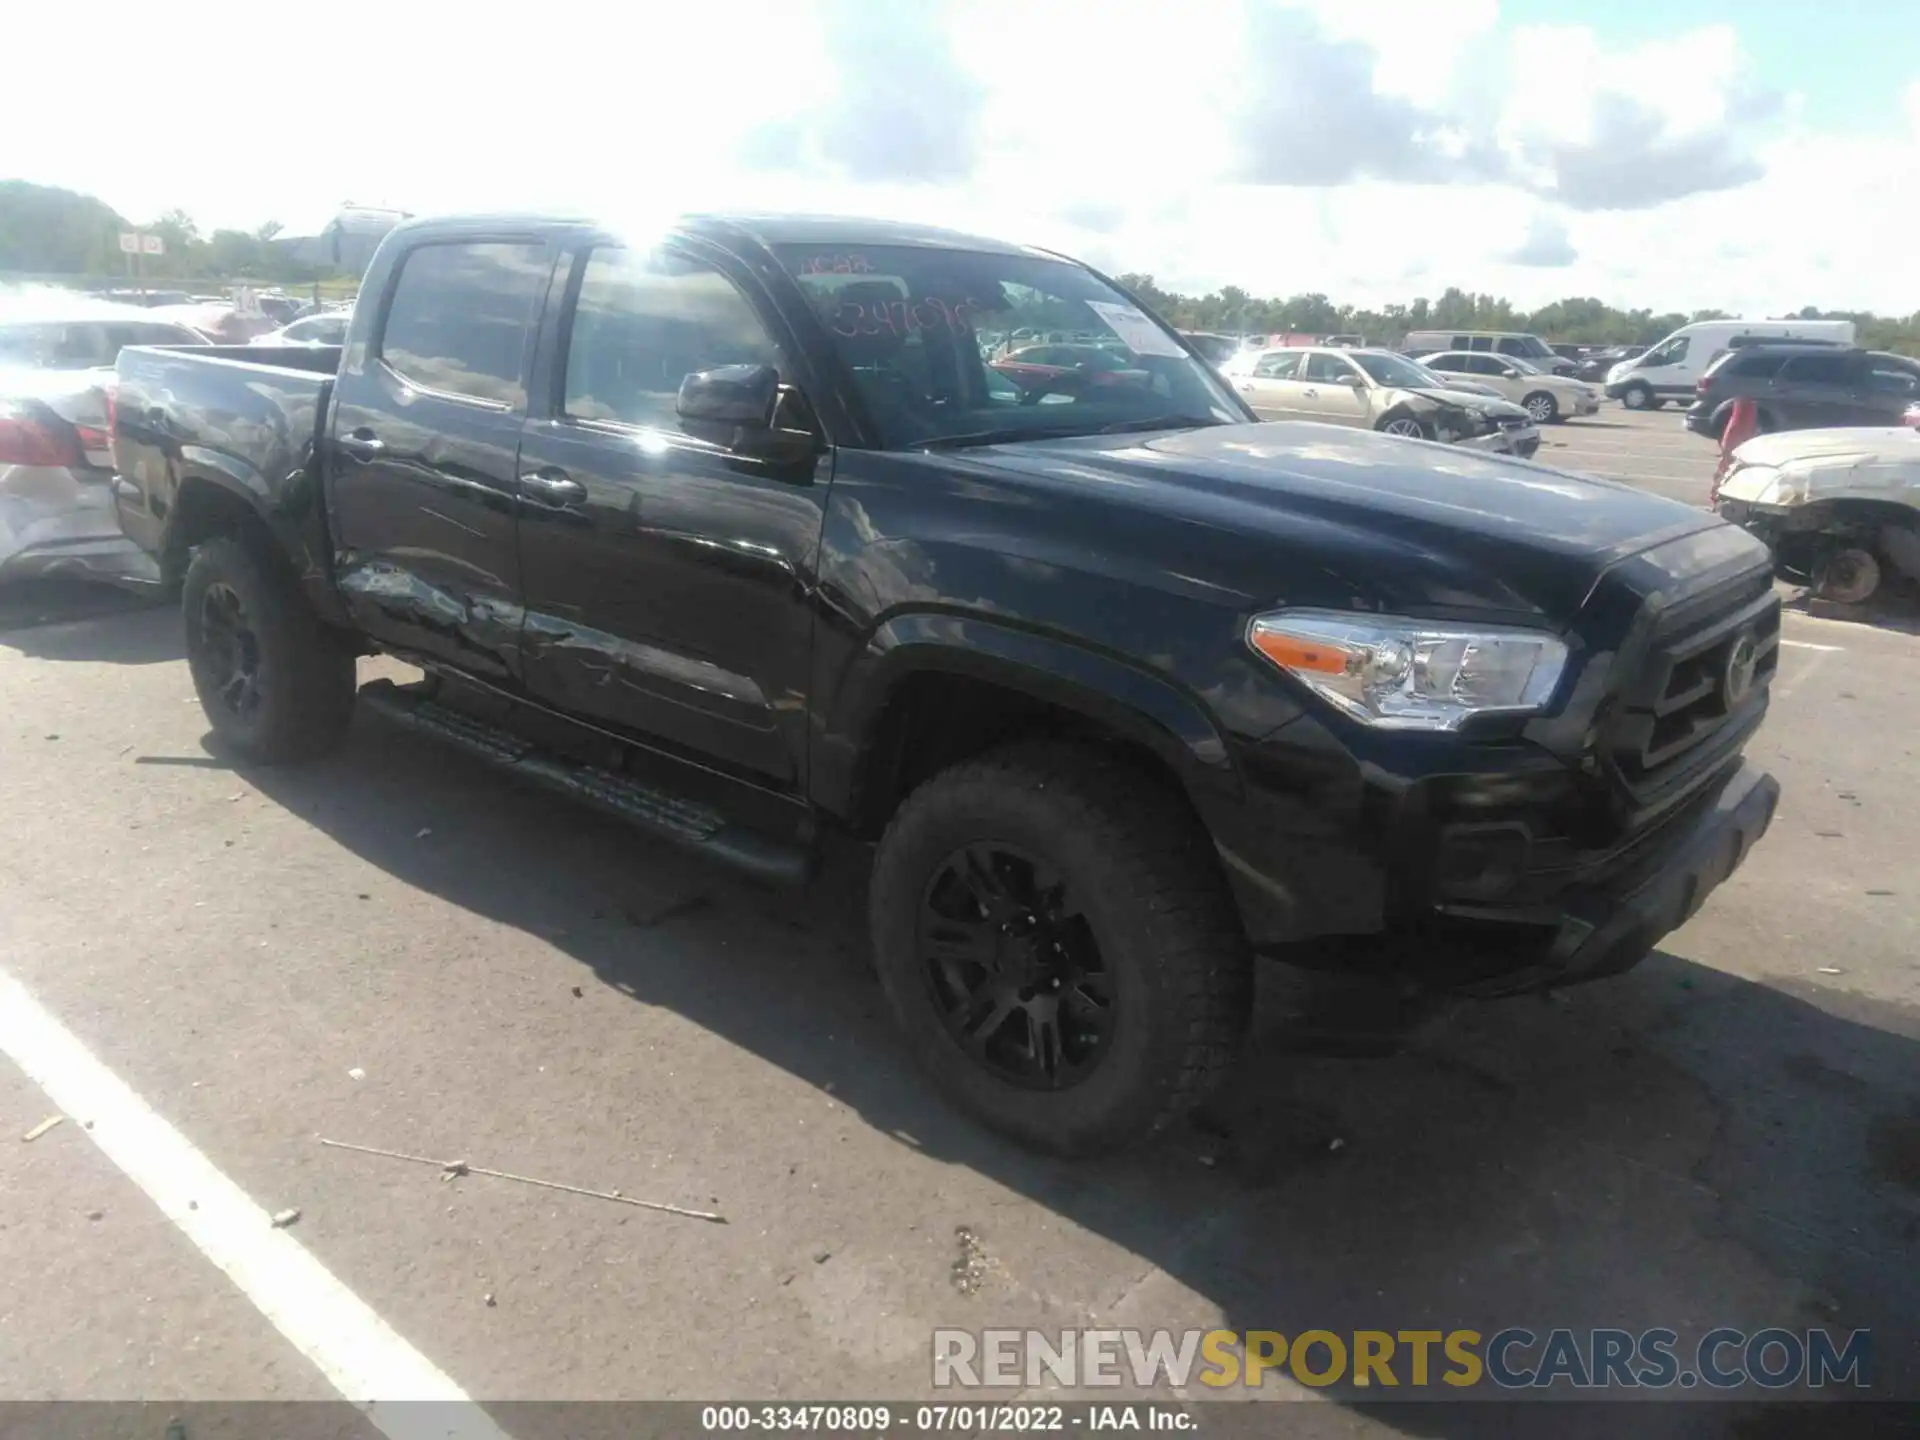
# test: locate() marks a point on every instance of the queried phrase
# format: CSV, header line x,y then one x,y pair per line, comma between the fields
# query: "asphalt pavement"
x,y
1648,449
395,948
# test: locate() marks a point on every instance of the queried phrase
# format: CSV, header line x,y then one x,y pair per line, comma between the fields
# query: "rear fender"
x,y
286,506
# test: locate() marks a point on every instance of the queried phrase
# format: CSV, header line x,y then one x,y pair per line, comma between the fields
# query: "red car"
x,y
1912,417
1031,365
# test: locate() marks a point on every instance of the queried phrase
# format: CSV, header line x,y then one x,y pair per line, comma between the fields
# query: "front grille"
x,y
1699,690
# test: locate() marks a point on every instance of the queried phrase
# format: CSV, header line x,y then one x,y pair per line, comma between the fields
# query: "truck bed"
x,y
248,415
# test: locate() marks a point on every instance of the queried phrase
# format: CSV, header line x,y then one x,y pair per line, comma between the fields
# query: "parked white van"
x,y
1672,369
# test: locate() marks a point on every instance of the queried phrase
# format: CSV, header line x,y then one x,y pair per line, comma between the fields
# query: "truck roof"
x,y
761,228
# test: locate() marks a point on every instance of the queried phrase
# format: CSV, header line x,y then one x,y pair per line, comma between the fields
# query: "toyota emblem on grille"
x,y
1742,660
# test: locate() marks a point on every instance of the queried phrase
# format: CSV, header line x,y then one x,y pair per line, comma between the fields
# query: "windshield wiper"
x,y
1163,422
1007,436
1010,436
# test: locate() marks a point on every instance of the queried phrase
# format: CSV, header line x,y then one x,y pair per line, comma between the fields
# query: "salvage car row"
x,y
57,351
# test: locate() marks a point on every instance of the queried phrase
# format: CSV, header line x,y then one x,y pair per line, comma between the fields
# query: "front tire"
x,y
275,684
1056,939
1405,426
1542,407
1847,575
1637,397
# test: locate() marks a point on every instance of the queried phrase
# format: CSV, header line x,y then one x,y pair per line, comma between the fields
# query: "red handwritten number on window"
x,y
901,317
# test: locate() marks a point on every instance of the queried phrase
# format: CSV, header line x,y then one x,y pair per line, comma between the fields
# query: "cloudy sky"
x,y
1748,156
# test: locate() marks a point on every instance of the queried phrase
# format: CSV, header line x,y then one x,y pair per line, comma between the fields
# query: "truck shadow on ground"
x,y
1679,1147
37,618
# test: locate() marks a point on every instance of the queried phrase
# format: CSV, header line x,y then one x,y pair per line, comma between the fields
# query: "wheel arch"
x,y
944,687
218,495
1403,410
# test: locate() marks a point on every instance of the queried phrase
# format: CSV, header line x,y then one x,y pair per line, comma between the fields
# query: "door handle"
x,y
1313,394
363,445
552,487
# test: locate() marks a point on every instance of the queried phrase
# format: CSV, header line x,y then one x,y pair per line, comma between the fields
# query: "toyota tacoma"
x,y
730,530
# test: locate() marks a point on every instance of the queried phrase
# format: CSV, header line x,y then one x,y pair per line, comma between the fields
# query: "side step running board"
x,y
693,826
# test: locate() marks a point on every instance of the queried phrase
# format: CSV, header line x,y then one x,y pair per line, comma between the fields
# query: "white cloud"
x,y
1547,245
1398,147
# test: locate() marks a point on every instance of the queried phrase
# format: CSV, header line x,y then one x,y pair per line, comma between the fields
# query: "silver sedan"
x,y
56,469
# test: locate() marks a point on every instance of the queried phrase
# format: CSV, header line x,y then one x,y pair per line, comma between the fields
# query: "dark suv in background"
x,y
1804,386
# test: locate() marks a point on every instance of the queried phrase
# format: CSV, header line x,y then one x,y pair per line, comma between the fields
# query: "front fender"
x,y
1135,703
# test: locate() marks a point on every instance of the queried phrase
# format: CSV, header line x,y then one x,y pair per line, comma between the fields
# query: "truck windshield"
x,y
956,347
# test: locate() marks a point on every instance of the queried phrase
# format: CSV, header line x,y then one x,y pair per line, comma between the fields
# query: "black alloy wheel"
x,y
1013,969
230,654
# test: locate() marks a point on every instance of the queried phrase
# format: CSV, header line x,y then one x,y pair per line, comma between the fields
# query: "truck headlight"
x,y
1763,485
1411,674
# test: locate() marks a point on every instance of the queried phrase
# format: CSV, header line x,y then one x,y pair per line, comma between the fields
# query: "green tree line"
x,y
47,231
1575,320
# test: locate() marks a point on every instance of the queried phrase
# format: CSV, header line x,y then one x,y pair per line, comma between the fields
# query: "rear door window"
x,y
1816,369
1277,367
459,318
1755,366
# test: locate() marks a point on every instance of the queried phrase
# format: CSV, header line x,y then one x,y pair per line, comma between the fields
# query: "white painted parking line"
x,y
360,1355
1809,645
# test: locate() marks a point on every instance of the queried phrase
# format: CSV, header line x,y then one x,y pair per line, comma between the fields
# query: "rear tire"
x,y
276,684
1151,926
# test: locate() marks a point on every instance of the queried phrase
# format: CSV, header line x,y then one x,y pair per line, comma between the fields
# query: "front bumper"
x,y
1766,523
1521,440
1588,405
1610,927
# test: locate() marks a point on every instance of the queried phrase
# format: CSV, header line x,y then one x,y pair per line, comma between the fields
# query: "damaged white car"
x,y
1840,508
56,366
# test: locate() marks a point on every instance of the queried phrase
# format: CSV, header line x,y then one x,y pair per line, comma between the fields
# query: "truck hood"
x,y
1307,513
1800,467
1894,443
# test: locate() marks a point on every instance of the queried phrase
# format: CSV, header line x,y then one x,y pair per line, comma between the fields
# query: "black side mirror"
x,y
738,406
730,395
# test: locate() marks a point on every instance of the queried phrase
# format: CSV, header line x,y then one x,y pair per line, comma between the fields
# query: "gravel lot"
x,y
397,949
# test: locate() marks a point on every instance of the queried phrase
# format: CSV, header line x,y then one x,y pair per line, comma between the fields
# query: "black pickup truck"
x,y
735,530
